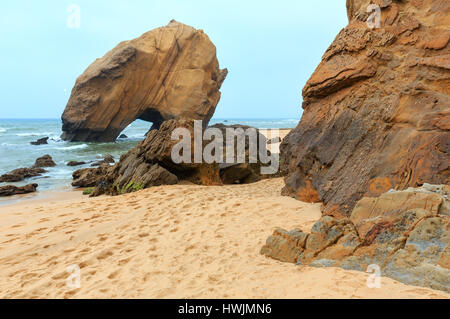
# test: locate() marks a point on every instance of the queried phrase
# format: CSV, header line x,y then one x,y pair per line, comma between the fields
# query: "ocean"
x,y
16,150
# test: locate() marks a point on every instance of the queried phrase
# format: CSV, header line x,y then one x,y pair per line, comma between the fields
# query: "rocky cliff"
x,y
376,110
168,73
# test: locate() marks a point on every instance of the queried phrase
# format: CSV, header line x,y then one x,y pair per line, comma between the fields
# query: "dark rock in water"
x,y
75,163
40,141
44,161
168,73
20,174
10,190
123,136
405,233
107,159
376,109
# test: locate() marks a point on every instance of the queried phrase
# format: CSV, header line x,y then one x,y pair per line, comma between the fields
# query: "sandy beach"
x,y
182,241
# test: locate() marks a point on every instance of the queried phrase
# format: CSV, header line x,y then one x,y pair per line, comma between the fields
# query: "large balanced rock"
x,y
170,72
376,110
10,190
405,233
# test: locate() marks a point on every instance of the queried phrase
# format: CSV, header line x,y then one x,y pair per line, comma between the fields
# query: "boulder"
x,y
376,110
40,141
10,190
44,161
168,73
405,233
20,174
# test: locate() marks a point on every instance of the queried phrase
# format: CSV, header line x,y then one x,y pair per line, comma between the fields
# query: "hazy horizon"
x,y
269,55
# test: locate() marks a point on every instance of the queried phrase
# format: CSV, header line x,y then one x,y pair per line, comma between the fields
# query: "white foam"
x,y
2,130
74,147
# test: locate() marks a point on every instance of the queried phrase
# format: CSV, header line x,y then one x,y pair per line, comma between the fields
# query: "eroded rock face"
x,y
376,110
170,72
405,233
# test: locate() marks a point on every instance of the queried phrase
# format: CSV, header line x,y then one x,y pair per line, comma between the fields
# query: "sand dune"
x,y
182,241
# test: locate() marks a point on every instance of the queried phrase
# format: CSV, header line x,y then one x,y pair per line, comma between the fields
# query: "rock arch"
x,y
167,73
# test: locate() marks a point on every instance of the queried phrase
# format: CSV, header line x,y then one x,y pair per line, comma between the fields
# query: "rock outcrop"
x,y
151,162
168,73
89,177
376,110
44,161
20,174
10,190
405,233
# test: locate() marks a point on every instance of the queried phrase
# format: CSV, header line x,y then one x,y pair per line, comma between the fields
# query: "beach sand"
x,y
182,241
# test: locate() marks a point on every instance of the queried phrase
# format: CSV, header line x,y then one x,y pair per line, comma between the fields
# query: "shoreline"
x,y
180,241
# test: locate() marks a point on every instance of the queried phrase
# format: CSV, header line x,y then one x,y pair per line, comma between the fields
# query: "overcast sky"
x,y
269,47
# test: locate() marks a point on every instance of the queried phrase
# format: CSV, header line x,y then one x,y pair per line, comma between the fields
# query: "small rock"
x,y
40,141
123,136
75,163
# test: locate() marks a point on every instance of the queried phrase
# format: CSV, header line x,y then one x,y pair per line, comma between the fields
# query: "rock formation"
x,y
376,110
10,190
168,73
150,163
405,233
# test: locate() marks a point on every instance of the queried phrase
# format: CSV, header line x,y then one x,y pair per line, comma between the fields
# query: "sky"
x,y
269,47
